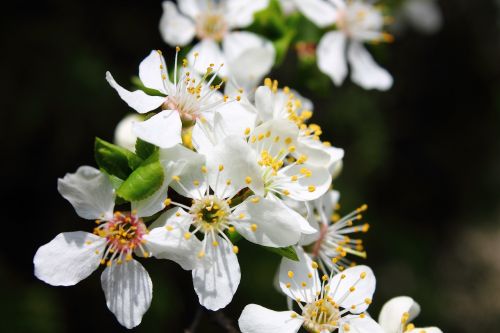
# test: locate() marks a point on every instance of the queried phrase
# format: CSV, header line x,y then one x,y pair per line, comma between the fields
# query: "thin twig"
x,y
225,322
196,320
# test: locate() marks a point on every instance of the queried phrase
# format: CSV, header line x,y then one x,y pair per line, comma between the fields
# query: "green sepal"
x,y
144,149
115,160
144,181
287,252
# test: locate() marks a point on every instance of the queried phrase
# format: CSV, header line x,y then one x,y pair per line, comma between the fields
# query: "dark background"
x,y
424,156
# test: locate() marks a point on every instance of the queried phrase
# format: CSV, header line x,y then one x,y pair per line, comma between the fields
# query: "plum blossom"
x,y
212,186
397,313
325,304
188,99
247,56
357,21
72,256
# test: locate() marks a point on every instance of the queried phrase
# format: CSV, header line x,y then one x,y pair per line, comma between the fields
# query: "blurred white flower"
x,y
124,133
72,256
397,313
326,304
247,56
358,21
423,15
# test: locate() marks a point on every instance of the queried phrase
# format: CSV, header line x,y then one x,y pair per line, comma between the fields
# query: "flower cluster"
x,y
212,157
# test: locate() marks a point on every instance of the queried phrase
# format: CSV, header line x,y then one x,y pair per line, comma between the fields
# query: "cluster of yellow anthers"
x,y
295,111
324,313
333,243
124,234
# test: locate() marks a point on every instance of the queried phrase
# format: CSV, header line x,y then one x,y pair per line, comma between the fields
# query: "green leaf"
x,y
287,252
151,92
115,160
144,181
144,149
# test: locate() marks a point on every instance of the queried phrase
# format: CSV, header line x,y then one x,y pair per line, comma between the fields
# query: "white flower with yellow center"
x,y
326,304
72,256
248,57
274,103
358,21
212,186
332,242
397,313
187,99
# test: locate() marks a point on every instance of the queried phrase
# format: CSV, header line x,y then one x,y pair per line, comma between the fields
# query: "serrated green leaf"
x,y
115,160
144,149
144,181
287,252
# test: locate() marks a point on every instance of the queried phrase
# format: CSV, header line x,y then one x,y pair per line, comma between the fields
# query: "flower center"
x,y
361,21
211,26
124,233
211,213
321,315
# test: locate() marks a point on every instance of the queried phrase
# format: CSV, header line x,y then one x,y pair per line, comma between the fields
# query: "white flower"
x,y
423,15
333,242
248,57
72,256
124,134
359,22
397,313
211,186
326,304
188,98
274,103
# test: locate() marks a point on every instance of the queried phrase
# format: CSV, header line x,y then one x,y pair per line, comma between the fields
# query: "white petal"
x,y
124,136
359,325
163,129
175,28
305,226
69,258
257,319
207,134
137,100
284,129
128,290
365,71
189,7
274,227
364,288
237,117
302,271
150,72
331,56
166,239
305,188
209,53
240,12
239,161
264,102
186,164
249,56
89,191
216,283
320,12
392,312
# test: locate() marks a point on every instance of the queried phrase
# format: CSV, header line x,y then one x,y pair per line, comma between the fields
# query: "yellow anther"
x,y
231,229
352,289
309,275
215,243
247,130
241,216
288,140
253,227
303,284
178,214
346,327
314,265
196,182
362,315
238,98
248,180
255,199
294,178
286,192
368,301
196,54
324,277
293,315
342,276
290,274
288,285
260,136
236,250
362,275
169,227
176,178
201,254
204,169
187,235
291,149
167,202
228,182
311,188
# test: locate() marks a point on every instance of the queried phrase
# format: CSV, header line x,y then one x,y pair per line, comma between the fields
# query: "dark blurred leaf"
x,y
144,181
115,160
